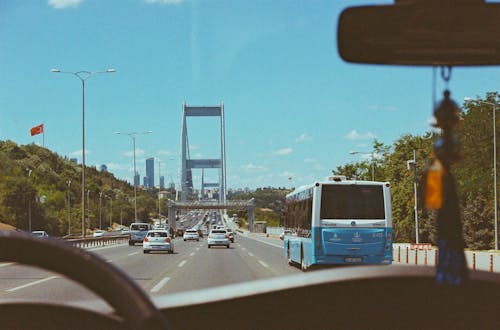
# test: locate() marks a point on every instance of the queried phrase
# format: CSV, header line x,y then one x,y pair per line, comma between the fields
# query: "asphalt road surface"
x,y
193,266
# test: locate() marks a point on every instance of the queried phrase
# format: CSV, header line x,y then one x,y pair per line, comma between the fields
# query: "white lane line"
x,y
32,283
6,264
197,249
109,261
268,243
191,254
250,254
160,284
263,263
182,263
244,249
131,254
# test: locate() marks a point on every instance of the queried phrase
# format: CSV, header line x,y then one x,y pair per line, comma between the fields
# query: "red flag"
x,y
36,130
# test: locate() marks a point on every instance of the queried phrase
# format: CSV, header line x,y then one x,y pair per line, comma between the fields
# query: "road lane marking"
x,y
197,249
244,249
131,254
182,263
6,264
191,254
31,283
160,284
263,263
250,254
268,243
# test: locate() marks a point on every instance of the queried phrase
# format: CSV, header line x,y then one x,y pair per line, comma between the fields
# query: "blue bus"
x,y
339,221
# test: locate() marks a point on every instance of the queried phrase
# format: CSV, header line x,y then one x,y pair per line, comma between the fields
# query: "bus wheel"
x,y
288,256
303,264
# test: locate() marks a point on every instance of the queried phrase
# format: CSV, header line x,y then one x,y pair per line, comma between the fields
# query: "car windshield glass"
x,y
157,234
196,116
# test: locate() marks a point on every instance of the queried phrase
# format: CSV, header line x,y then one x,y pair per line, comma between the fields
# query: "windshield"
x,y
121,116
352,202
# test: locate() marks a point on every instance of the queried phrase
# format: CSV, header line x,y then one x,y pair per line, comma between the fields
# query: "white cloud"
x,y
354,135
118,167
78,153
193,147
318,167
309,160
138,152
287,174
166,152
284,151
63,4
385,108
165,2
253,168
303,138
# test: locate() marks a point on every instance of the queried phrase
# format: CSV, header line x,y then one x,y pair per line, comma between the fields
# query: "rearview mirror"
x,y
416,32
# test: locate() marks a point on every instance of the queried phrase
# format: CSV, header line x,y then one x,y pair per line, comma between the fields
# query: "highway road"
x,y
193,266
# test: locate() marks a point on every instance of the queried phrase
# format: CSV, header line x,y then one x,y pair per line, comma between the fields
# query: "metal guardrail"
x,y
91,242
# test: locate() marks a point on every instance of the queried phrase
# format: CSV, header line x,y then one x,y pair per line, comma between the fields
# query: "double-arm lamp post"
x,y
132,136
83,75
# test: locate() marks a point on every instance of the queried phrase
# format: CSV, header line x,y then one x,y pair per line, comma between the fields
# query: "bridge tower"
x,y
187,164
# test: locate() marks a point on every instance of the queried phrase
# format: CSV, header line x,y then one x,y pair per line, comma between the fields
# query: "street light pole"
x,y
132,136
372,154
412,165
83,75
159,188
29,203
69,206
100,210
468,99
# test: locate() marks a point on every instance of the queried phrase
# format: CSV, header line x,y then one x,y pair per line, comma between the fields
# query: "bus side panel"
x,y
295,245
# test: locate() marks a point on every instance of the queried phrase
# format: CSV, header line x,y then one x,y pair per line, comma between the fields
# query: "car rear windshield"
x,y
218,231
158,234
139,227
191,231
352,202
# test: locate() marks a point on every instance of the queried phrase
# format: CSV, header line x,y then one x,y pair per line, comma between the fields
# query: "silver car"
x,y
158,240
218,237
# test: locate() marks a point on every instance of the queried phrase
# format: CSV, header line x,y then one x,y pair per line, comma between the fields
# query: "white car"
x,y
218,237
191,234
158,240
98,233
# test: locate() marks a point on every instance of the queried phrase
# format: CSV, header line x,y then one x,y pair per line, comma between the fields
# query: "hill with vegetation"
x,y
38,181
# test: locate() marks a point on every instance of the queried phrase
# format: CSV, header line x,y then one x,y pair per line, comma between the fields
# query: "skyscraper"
x,y
137,180
150,172
162,182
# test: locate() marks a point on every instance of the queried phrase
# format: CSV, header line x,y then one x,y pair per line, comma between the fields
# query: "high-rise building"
x,y
145,182
137,180
162,182
150,172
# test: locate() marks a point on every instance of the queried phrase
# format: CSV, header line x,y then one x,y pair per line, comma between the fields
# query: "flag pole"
x,y
43,135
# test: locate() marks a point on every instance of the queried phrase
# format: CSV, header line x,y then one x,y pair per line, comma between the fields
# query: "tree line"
x,y
474,175
36,182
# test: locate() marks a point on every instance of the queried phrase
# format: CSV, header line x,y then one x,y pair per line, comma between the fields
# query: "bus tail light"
x,y
388,237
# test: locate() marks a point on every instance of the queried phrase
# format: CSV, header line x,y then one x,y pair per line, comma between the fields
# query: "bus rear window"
x,y
352,202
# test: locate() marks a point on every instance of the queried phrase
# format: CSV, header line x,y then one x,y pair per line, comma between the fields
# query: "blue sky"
x,y
293,107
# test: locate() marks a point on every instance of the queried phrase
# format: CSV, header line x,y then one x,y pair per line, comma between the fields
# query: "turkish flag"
x,y
36,130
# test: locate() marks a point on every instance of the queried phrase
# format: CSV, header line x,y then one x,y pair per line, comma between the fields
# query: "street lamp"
x,y
83,75
159,189
132,136
412,166
29,202
494,105
100,210
69,206
372,154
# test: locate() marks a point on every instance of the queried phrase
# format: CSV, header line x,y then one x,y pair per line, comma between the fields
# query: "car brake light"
x,y
167,239
227,236
146,239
